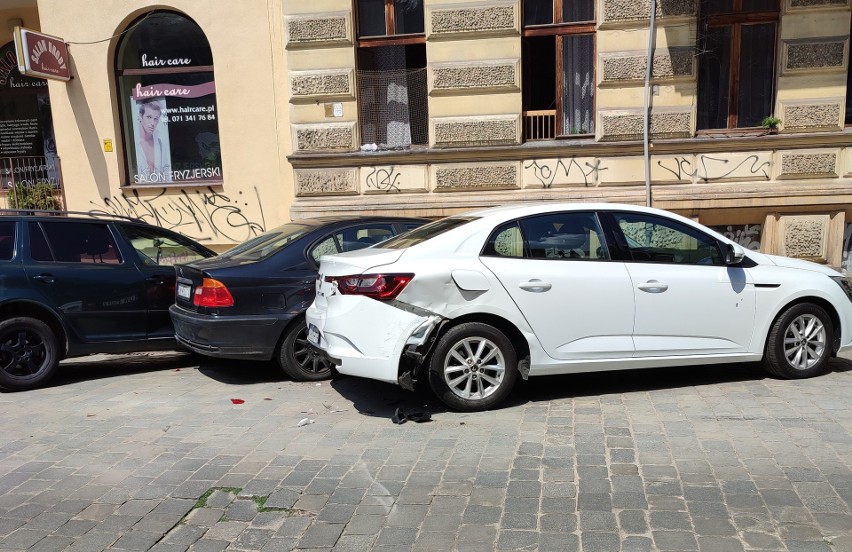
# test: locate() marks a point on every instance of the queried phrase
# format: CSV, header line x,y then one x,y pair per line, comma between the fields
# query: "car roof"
x,y
51,214
549,206
332,219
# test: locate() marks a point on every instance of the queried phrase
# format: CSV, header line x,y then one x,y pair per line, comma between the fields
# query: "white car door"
x,y
576,299
688,301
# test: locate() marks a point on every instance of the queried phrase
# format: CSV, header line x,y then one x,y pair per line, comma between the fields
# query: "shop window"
x,y
558,51
167,96
737,61
392,87
27,146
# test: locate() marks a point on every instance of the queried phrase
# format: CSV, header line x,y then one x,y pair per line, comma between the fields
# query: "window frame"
x,y
41,226
559,29
676,225
735,20
123,118
390,39
603,237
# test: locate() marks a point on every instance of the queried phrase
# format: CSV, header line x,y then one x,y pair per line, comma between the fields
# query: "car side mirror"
x,y
734,253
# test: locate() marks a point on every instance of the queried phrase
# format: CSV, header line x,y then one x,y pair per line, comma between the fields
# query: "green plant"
x,y
41,195
770,122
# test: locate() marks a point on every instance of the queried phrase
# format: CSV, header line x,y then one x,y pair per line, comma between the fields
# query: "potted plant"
x,y
41,195
771,124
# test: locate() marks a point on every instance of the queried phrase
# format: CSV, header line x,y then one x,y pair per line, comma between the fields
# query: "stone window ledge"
x,y
565,147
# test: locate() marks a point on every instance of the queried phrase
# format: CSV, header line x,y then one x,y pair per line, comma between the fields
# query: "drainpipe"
x,y
647,107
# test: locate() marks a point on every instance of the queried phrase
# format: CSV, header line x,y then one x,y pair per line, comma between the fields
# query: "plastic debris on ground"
x,y
400,417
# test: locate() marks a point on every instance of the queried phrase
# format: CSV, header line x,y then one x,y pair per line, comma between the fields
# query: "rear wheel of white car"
x,y
799,343
474,367
298,359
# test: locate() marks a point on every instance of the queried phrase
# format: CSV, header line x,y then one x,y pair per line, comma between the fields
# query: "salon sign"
x,y
41,55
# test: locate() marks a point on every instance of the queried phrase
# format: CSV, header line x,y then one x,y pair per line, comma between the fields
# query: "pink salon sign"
x,y
41,55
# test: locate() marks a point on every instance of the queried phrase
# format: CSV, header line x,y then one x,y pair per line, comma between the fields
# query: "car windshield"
x,y
426,232
264,245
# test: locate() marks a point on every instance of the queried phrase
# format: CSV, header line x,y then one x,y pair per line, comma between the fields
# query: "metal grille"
x,y
28,171
392,108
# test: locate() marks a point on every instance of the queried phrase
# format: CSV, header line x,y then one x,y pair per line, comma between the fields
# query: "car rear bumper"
x,y
359,348
246,337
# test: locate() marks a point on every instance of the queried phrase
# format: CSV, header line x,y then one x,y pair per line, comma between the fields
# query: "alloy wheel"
x,y
474,368
308,359
804,341
22,353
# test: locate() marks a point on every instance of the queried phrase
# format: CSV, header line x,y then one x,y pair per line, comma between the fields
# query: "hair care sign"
x,y
41,55
175,132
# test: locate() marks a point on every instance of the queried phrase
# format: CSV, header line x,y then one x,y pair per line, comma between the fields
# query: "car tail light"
x,y
212,293
383,287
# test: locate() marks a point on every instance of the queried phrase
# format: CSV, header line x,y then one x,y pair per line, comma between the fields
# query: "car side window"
x,y
325,247
657,240
7,240
565,235
360,237
505,241
79,242
157,248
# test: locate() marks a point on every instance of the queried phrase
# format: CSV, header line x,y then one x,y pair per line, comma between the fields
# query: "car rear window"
x,y
423,233
269,243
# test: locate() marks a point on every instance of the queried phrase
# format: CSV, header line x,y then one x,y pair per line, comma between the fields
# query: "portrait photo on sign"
x,y
151,133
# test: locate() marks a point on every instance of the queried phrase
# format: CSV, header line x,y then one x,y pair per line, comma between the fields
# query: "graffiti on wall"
x,y
747,235
201,214
846,263
384,179
708,169
546,172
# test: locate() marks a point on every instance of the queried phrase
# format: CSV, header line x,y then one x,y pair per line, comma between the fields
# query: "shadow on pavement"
x,y
240,372
381,400
374,398
94,367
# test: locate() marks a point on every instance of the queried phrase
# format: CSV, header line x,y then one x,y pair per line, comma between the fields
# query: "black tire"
x,y
799,343
457,378
297,359
29,354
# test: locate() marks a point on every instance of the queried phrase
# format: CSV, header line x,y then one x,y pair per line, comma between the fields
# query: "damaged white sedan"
x,y
472,302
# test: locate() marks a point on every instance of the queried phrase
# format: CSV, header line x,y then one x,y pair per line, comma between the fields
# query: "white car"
x,y
474,301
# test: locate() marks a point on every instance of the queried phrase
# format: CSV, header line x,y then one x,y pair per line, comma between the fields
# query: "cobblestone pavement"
x,y
154,452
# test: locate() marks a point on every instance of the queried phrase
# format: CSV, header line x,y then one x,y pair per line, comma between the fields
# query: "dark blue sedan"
x,y
249,302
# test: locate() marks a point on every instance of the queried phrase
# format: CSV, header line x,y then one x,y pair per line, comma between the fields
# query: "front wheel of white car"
x,y
474,367
799,343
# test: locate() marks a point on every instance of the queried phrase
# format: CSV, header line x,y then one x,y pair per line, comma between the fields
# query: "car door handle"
x,y
156,280
535,286
44,278
653,286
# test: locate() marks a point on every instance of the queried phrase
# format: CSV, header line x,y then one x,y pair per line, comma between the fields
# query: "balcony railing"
x,y
539,125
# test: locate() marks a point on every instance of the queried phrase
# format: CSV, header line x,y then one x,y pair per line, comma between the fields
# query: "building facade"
x,y
536,100
432,107
171,115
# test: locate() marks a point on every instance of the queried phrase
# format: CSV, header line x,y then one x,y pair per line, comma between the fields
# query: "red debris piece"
x,y
237,401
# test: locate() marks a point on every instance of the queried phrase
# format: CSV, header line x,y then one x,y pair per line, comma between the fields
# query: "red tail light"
x,y
383,287
212,293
